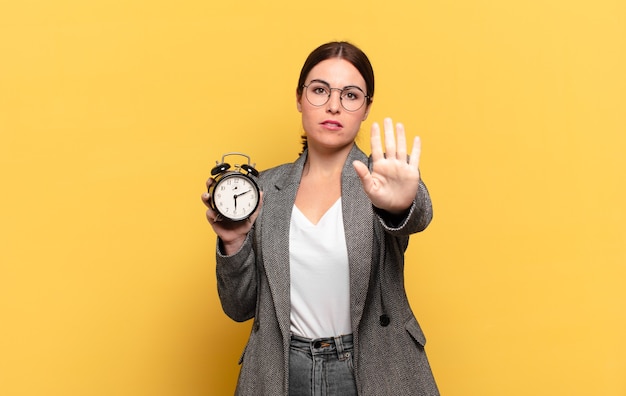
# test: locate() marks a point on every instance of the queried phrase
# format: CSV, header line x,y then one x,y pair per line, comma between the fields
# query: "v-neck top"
x,y
319,274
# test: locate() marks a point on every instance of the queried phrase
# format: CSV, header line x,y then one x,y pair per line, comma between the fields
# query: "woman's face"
x,y
331,126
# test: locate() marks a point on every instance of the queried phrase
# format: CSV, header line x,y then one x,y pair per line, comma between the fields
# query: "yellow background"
x,y
112,114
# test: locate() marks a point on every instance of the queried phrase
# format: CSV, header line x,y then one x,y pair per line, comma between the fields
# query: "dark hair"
x,y
343,50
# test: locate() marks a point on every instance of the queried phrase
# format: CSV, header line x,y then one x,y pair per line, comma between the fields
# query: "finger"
x,y
401,142
211,216
390,142
376,142
416,152
205,198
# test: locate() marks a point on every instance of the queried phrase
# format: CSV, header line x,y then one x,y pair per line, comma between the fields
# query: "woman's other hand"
x,y
393,182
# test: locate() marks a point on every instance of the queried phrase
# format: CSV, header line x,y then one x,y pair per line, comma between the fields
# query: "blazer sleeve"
x,y
237,281
414,220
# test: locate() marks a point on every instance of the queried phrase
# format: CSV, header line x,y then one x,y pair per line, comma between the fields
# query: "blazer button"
x,y
384,320
256,326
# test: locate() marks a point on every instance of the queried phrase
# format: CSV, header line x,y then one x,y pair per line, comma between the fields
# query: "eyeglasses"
x,y
318,93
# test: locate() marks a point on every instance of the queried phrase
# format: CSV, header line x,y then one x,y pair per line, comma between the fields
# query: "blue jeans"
x,y
321,367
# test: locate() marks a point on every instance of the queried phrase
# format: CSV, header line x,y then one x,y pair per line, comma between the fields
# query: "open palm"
x,y
392,184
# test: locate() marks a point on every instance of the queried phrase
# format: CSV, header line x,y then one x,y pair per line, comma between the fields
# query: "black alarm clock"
x,y
234,195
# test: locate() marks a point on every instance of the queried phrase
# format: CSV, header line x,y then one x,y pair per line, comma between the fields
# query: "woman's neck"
x,y
326,163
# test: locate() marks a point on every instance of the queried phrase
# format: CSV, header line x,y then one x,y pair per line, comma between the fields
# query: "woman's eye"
x,y
351,95
320,91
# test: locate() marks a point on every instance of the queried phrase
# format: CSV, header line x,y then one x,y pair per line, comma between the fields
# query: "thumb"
x,y
364,174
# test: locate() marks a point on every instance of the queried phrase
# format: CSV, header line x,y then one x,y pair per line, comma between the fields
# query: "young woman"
x,y
319,266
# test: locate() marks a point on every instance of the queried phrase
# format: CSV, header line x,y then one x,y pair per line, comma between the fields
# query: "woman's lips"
x,y
332,124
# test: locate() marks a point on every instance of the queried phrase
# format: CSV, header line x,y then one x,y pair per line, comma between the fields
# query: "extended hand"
x,y
392,184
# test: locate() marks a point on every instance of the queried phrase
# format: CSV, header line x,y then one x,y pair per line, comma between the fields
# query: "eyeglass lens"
x,y
318,94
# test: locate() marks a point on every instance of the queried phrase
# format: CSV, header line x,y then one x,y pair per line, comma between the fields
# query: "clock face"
x,y
235,196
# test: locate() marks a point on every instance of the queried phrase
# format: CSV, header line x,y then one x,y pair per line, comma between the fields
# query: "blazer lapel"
x,y
358,224
275,239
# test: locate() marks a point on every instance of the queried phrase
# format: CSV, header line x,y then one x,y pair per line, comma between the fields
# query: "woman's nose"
x,y
334,102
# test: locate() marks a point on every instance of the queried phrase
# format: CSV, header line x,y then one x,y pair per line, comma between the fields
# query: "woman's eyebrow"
x,y
328,85
319,81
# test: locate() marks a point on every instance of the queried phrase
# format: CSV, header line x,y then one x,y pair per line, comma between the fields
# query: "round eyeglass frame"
x,y
306,90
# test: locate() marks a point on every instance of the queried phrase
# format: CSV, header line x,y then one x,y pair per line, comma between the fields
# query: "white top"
x,y
320,276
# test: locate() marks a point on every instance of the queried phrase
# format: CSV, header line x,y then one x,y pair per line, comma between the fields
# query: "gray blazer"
x,y
389,356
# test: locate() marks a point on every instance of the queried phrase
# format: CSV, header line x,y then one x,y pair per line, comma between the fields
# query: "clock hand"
x,y
237,196
240,194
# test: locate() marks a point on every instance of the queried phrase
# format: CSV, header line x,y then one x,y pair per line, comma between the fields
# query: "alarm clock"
x,y
234,195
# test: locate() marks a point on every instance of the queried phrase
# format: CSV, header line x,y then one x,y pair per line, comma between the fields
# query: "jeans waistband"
x,y
341,345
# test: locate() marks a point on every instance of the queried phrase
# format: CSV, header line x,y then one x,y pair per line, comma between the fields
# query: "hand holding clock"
x,y
231,233
393,182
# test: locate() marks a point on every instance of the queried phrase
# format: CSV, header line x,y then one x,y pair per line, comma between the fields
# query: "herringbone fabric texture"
x,y
389,355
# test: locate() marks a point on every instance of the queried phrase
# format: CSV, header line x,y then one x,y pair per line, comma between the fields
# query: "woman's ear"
x,y
298,99
367,111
